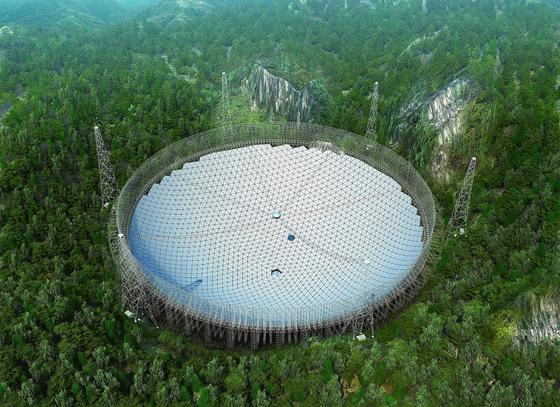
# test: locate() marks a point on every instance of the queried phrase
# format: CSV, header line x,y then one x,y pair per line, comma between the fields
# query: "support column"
x,y
254,339
225,116
230,338
280,337
371,131
107,180
357,324
372,322
458,223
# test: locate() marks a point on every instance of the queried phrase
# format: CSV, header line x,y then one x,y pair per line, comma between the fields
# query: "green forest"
x,y
64,339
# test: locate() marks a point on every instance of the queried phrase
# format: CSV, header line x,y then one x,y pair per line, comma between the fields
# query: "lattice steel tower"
x,y
458,222
107,180
133,296
225,117
371,131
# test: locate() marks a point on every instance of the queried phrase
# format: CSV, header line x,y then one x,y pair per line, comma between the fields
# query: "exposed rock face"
x,y
544,326
411,47
7,106
174,72
5,30
279,98
180,11
445,111
445,107
4,108
298,5
20,91
367,3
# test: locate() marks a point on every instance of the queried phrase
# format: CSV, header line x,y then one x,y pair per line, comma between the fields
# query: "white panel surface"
x,y
208,230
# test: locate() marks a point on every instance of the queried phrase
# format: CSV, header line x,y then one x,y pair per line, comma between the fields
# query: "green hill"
x,y
82,13
180,11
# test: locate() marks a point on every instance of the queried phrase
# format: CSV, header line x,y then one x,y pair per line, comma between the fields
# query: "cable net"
x,y
274,226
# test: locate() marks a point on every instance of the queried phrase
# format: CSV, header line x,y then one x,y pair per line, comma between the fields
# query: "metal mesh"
x,y
274,230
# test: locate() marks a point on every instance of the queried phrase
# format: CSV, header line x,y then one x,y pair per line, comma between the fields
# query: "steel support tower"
x,y
225,117
371,131
458,223
107,180
131,295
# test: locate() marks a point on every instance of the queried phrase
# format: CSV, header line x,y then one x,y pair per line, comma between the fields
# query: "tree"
x,y
63,400
332,395
139,383
233,400
261,400
27,392
106,385
208,396
500,395
214,371
236,381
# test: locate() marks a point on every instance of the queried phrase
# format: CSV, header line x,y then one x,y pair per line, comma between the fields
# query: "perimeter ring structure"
x,y
270,233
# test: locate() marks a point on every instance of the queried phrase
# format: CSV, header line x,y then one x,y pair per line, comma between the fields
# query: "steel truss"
x,y
371,131
107,180
459,218
225,114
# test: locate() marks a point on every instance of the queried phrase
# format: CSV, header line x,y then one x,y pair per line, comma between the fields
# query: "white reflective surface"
x,y
211,230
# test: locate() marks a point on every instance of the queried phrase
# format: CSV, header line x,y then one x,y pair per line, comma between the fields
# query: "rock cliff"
x,y
279,98
5,30
180,11
543,326
444,110
4,109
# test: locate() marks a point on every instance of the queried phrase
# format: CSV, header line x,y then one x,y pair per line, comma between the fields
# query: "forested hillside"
x,y
70,14
63,338
138,4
